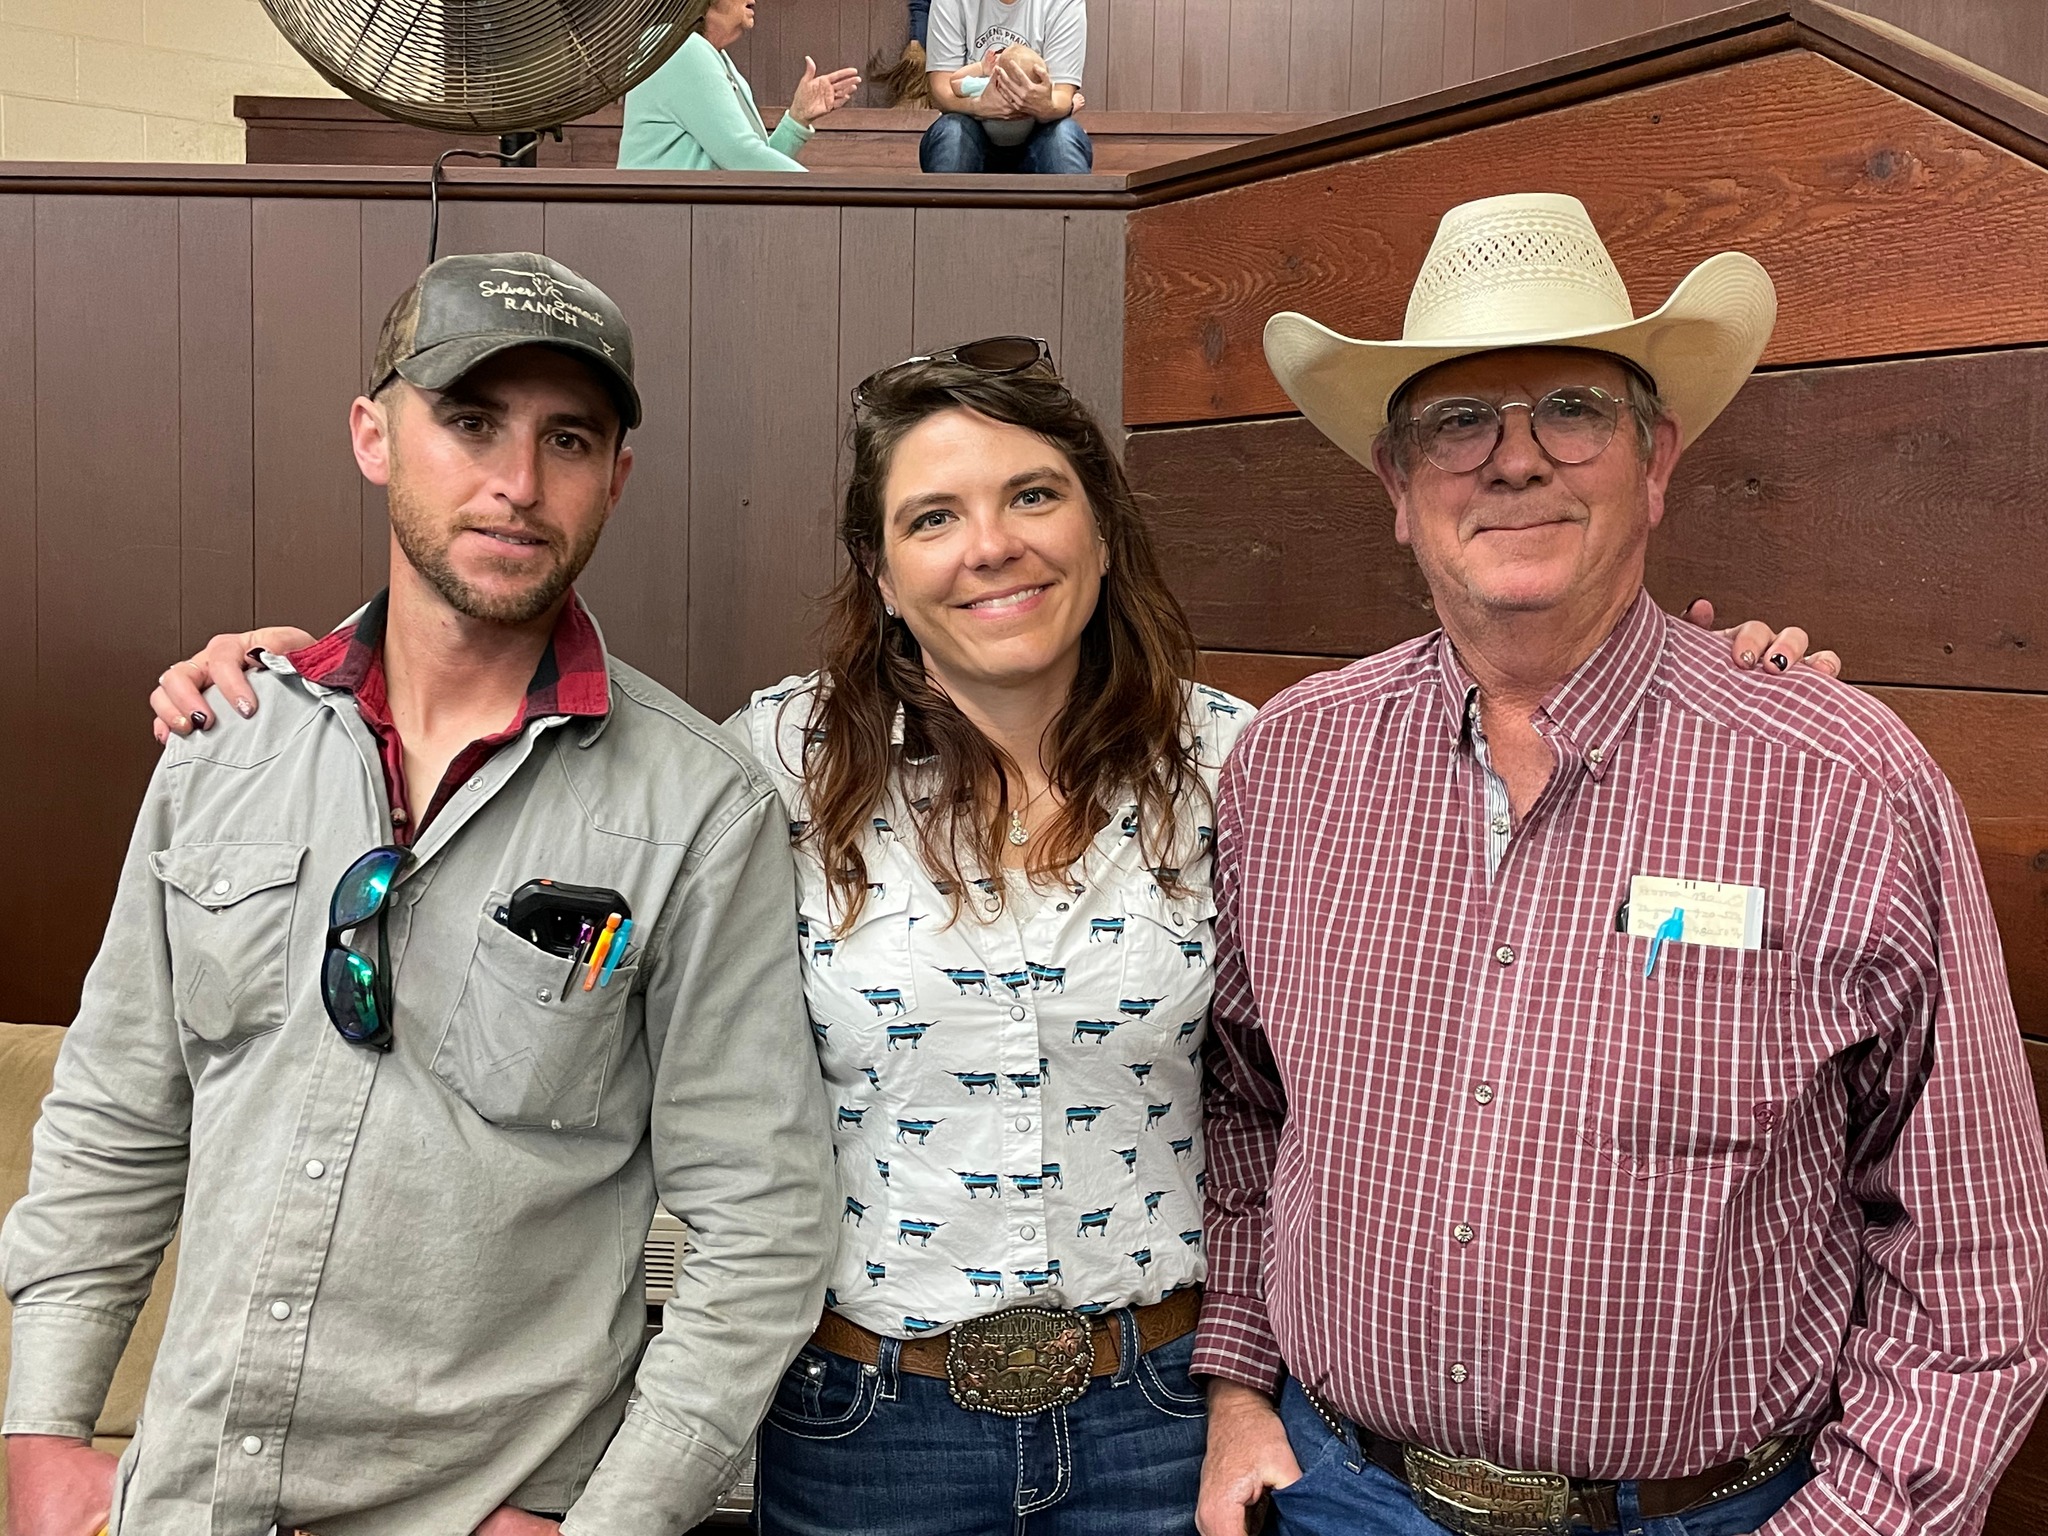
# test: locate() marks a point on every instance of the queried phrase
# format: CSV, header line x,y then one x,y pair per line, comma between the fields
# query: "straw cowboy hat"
x,y
1528,270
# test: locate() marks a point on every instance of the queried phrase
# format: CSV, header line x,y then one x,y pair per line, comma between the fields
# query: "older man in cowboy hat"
x,y
1618,1118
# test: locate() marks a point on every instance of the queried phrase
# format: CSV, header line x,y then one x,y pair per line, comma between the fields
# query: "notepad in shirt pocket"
x,y
1723,916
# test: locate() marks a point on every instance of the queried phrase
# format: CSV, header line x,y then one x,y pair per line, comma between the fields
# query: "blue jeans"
x,y
920,20
868,1450
957,142
1342,1494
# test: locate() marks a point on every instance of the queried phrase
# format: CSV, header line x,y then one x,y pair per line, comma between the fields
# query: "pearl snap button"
x,y
1016,1013
251,1445
1462,1232
1483,1093
1023,1122
1505,954
221,887
315,1168
1027,1233
280,1310
1459,1373
544,994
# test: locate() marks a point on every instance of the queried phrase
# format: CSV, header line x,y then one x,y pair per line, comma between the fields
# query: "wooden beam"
x,y
1887,228
1891,509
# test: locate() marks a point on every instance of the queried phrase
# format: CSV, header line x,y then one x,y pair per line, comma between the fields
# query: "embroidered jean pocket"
x,y
823,1396
228,915
526,1045
1679,1065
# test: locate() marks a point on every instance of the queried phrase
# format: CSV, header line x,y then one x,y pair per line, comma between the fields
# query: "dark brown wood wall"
x,y
1340,55
177,374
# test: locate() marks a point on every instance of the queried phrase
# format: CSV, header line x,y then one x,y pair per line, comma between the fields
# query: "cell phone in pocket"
x,y
550,914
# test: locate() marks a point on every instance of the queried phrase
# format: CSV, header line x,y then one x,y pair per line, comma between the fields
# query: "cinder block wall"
x,y
137,79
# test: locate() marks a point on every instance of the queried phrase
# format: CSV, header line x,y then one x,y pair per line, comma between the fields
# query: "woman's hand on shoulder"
x,y
179,698
1756,644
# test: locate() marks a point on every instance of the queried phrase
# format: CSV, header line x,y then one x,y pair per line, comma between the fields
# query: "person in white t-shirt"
x,y
1006,76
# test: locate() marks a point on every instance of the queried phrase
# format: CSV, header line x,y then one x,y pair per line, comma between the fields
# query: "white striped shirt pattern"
x,y
1496,1192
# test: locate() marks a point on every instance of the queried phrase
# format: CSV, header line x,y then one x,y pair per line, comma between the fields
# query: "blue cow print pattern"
x,y
1016,1096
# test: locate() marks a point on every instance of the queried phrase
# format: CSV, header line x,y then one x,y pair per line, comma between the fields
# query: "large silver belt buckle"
x,y
1020,1361
1476,1498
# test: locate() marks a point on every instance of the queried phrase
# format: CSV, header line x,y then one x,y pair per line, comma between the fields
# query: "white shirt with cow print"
x,y
1016,1094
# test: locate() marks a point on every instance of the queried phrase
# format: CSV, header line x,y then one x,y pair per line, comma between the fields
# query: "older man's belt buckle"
x,y
1476,1498
1020,1361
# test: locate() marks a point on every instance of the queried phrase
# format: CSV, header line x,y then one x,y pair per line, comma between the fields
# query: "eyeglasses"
x,y
1571,425
358,993
993,355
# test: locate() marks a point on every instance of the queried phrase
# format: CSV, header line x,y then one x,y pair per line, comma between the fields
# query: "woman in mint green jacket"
x,y
697,112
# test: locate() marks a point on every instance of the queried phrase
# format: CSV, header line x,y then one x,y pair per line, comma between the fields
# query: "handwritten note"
x,y
1728,916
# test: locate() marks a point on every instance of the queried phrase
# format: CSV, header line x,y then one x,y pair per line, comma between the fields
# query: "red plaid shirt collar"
x,y
1590,709
571,679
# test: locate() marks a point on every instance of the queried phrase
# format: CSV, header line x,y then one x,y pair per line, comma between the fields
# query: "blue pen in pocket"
x,y
618,953
1673,928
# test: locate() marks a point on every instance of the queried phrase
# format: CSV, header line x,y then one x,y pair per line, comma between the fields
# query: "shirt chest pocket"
x,y
527,1046
1167,942
864,979
228,916
1683,1066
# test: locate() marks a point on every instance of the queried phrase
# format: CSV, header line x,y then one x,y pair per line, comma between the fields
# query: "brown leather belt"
x,y
1468,1495
1161,1323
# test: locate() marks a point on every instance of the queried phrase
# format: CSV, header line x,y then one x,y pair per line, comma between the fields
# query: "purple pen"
x,y
583,937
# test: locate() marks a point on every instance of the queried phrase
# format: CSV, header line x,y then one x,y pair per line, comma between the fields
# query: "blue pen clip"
x,y
1673,928
618,953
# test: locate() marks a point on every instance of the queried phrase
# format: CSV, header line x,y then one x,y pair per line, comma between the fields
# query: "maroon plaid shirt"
x,y
570,680
1493,1191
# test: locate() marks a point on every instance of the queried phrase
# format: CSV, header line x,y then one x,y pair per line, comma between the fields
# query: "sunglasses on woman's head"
x,y
355,989
993,355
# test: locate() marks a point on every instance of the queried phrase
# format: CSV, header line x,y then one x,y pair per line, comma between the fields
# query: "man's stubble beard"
x,y
416,529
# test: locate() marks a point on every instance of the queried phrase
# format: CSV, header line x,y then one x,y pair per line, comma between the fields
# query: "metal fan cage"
x,y
483,66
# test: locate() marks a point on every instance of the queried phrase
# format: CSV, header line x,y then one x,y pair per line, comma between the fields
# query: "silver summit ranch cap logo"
x,y
538,293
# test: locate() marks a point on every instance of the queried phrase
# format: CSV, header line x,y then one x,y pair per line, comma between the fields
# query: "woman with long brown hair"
x,y
998,784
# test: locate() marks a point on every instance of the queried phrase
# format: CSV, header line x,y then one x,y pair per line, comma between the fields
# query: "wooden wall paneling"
x,y
1319,56
216,473
1412,43
1489,45
1368,53
1887,228
305,304
888,32
1259,34
1531,34
1091,303
1593,22
1169,23
989,272
107,537
1096,56
478,226
1258,675
2008,37
877,320
764,409
1460,21
392,254
1128,51
1205,56
1871,535
23,748
638,582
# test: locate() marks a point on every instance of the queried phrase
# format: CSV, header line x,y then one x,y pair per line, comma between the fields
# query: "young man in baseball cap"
x,y
413,1113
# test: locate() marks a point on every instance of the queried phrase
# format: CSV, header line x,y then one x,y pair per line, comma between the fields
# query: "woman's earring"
x,y
888,610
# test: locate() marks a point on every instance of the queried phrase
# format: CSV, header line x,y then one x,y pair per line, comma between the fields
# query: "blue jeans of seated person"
x,y
854,1450
957,142
1342,1494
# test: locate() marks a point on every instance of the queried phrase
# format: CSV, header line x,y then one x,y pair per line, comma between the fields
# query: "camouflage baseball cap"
x,y
464,309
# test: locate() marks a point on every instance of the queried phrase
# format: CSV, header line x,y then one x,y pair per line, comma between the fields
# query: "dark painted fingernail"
x,y
199,719
1780,660
1694,604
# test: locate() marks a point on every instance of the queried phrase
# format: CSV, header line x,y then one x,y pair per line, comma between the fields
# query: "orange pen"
x,y
597,951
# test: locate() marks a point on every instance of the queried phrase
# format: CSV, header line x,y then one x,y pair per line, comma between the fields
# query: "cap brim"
x,y
442,364
1698,347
